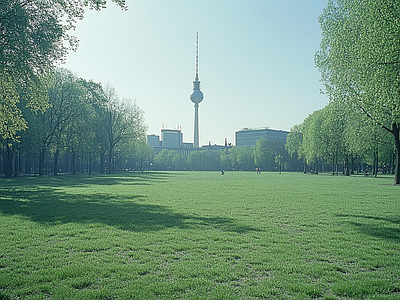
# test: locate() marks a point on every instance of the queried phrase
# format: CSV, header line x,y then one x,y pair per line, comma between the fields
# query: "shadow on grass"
x,y
383,232
131,178
49,206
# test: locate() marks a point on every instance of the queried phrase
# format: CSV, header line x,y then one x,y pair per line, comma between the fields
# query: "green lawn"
x,y
200,235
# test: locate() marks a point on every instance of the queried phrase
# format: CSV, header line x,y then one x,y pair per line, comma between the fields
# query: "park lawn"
x,y
200,235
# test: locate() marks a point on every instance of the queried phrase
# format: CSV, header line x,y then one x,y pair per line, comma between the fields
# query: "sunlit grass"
x,y
200,235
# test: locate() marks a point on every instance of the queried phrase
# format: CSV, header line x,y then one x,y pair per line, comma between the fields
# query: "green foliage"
x,y
204,160
199,235
261,154
11,120
34,38
80,121
122,122
311,146
336,133
35,32
294,141
359,60
244,158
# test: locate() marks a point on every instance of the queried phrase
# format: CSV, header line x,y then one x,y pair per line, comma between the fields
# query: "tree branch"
x,y
377,122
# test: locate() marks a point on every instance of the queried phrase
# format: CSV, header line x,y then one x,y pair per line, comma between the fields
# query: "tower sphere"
x,y
196,96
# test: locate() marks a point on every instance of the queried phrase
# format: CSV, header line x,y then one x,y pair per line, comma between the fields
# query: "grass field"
x,y
200,235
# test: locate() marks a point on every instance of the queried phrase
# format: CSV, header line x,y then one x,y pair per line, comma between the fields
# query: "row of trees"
x,y
334,139
34,38
82,121
339,136
359,62
265,155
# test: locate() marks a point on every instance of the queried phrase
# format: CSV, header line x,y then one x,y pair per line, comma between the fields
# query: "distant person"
x,y
222,172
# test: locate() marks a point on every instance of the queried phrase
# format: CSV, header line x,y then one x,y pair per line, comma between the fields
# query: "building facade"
x,y
171,139
249,137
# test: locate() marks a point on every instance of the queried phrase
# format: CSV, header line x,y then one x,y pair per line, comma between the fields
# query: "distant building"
x,y
171,138
153,140
249,137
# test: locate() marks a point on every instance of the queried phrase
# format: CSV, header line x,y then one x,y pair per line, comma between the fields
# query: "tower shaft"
x,y
196,126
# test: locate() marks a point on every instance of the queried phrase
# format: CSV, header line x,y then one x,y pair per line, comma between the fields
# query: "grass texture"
x,y
200,235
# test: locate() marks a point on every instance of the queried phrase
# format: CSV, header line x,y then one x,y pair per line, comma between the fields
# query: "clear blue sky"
x,y
256,61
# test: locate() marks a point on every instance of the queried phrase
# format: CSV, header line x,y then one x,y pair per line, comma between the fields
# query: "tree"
x,y
333,147
35,33
261,154
368,140
58,125
226,162
293,144
359,60
278,160
311,147
34,36
123,120
11,121
245,159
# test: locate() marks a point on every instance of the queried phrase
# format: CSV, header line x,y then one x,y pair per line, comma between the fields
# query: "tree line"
x,y
52,121
84,127
265,155
339,139
359,62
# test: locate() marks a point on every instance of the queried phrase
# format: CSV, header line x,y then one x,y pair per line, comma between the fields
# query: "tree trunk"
x,y
66,162
56,162
41,162
393,163
82,165
8,162
90,164
20,155
102,159
109,163
347,165
337,166
73,163
28,163
376,163
352,164
16,164
395,127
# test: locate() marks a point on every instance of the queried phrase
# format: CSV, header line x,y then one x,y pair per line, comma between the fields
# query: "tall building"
x,y
196,97
249,137
171,138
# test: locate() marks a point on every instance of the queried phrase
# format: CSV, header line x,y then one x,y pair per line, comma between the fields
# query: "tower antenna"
x,y
197,56
196,97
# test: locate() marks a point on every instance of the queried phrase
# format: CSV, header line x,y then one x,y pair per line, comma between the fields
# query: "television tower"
x,y
196,97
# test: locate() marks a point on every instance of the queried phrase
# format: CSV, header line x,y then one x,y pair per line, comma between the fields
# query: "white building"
x,y
171,138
